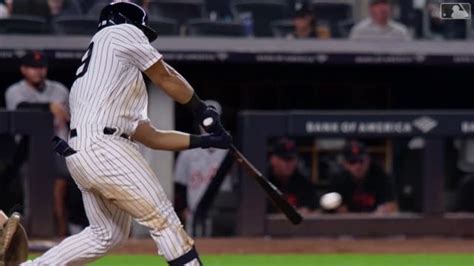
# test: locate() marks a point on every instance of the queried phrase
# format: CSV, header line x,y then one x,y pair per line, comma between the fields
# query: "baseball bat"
x,y
272,192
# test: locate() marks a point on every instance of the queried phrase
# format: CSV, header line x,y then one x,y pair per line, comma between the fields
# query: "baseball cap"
x,y
302,10
354,151
34,59
285,148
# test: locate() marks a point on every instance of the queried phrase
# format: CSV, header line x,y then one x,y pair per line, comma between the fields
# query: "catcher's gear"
x,y
13,242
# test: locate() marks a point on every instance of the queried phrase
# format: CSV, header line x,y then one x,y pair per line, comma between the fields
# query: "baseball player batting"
x,y
108,103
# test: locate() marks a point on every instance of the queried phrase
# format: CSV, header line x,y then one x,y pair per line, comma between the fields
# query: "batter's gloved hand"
x,y
210,120
205,115
221,141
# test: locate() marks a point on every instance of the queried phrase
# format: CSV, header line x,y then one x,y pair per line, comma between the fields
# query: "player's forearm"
x,y
161,139
171,141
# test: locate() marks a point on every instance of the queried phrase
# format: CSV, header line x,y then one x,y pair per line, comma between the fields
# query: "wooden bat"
x,y
272,192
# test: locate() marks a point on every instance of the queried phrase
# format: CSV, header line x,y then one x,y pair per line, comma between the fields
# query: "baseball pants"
x,y
117,185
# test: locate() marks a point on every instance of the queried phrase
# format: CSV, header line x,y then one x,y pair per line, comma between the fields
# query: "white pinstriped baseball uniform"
x,y
116,181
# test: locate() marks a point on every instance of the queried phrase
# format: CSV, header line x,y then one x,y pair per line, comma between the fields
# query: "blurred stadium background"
x,y
278,68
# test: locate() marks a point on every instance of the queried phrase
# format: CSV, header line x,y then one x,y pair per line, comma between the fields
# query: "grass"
x,y
304,260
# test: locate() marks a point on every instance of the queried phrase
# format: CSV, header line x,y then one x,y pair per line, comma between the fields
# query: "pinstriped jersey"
x,y
109,89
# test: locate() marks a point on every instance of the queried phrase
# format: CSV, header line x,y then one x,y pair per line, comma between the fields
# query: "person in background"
x,y
363,185
194,171
36,92
59,8
49,9
304,23
5,8
284,174
379,26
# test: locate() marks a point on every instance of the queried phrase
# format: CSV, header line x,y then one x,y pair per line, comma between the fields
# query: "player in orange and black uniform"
x,y
363,185
283,173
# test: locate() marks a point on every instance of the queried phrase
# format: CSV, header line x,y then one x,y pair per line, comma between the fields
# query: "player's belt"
x,y
107,131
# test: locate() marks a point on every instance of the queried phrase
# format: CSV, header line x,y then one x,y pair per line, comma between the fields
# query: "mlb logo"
x,y
455,11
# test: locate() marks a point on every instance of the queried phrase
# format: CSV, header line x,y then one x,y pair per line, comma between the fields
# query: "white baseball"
x,y
330,201
208,121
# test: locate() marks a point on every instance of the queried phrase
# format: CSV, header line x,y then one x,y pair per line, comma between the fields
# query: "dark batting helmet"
x,y
129,13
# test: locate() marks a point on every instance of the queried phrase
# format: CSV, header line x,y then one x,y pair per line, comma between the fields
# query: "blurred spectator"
x,y
363,185
36,92
5,8
194,171
48,9
59,8
283,173
379,26
304,23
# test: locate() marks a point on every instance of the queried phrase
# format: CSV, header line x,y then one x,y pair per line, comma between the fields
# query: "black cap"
x,y
285,148
34,59
354,151
302,10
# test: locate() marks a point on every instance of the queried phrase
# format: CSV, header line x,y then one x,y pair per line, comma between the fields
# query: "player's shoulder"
x,y
397,26
121,31
56,85
15,87
363,24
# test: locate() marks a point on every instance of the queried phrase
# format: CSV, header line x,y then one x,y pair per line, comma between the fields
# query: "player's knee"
x,y
120,237
108,239
190,258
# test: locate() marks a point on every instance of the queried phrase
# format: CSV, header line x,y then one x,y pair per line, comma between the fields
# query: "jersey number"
x,y
81,71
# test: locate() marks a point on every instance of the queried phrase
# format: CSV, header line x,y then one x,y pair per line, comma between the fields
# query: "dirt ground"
x,y
265,245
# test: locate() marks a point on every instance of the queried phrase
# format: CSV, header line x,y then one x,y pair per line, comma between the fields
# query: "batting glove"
x,y
209,119
221,141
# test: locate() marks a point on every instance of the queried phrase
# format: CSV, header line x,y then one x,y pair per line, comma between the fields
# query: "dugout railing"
x,y
257,127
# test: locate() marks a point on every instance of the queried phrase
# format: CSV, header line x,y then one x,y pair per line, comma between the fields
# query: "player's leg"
x,y
139,192
109,225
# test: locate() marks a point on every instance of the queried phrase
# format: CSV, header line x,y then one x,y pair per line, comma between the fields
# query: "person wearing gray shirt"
x,y
380,26
36,92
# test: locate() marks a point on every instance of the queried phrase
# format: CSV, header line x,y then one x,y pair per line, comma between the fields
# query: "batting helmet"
x,y
129,13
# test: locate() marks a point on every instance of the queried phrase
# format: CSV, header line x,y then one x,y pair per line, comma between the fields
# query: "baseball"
x,y
330,201
208,121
